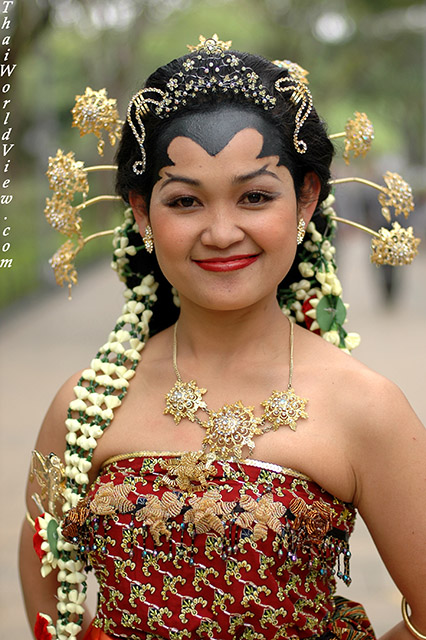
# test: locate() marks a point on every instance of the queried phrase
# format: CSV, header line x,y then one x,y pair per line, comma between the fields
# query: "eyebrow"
x,y
177,178
235,180
254,174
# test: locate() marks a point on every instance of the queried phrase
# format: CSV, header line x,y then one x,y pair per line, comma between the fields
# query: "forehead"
x,y
243,149
214,129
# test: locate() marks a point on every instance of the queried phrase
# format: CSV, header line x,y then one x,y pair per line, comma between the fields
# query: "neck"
x,y
256,333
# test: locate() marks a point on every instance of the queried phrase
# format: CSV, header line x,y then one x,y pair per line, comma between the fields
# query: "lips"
x,y
230,263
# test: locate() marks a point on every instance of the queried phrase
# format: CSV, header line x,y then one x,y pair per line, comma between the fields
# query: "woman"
x,y
220,501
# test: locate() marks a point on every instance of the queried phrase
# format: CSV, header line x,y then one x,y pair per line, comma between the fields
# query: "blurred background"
x,y
361,55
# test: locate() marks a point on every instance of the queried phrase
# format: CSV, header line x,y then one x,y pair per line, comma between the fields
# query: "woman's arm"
x,y
40,593
389,458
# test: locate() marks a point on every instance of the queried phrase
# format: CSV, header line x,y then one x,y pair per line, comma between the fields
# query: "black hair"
x,y
317,157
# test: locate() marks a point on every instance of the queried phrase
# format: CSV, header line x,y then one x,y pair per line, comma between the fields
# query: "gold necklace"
x,y
233,427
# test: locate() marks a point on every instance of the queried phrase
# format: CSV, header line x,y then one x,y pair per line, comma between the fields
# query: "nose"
x,y
222,228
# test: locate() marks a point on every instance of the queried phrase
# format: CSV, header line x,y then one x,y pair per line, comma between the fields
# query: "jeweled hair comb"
x,y
210,68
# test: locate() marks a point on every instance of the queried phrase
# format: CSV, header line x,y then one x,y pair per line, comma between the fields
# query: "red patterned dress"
x,y
248,550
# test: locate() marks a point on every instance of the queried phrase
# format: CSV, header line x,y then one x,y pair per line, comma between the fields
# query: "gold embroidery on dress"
x,y
252,593
265,563
192,467
130,620
169,584
246,541
120,567
130,538
238,620
269,617
211,547
107,625
233,569
114,595
178,635
137,592
205,511
300,482
153,456
150,561
264,512
201,575
156,513
207,627
110,498
155,616
294,580
229,527
316,518
189,605
219,600
345,516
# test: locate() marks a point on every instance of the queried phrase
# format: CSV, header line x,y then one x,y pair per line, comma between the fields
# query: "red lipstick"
x,y
230,263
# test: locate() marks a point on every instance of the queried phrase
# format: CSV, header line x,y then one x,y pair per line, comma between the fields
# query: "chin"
x,y
228,303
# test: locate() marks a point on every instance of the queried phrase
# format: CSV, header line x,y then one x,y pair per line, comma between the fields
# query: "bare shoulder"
x,y
345,370
367,401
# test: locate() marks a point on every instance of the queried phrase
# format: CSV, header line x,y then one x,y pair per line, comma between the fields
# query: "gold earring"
x,y
148,239
300,231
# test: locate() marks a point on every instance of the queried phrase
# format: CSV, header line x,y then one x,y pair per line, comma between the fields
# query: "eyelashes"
x,y
258,197
184,202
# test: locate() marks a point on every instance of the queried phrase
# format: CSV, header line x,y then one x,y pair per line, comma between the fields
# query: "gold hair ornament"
x,y
210,43
358,134
411,628
398,245
301,97
94,113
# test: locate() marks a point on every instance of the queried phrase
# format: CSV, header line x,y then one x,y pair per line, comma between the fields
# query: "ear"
x,y
308,198
140,210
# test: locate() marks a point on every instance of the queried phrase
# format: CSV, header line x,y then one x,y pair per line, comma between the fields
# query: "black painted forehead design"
x,y
214,129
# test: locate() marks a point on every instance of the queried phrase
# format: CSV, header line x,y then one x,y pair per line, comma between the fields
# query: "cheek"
x,y
172,239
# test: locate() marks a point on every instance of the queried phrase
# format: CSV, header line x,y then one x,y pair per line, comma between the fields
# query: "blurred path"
x,y
43,344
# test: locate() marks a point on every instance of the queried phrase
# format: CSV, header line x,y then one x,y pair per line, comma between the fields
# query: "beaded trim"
x,y
269,466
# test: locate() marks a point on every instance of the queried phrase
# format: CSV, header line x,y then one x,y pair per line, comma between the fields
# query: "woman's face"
x,y
224,225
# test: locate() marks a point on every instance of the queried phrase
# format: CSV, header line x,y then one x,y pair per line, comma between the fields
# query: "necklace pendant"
x,y
284,408
184,400
231,429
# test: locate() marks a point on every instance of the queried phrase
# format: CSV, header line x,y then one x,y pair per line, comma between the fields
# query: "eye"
x,y
257,197
184,202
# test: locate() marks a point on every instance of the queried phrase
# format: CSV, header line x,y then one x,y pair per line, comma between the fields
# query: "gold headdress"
x,y
95,113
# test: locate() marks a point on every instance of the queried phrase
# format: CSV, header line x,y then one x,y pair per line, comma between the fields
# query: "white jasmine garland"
x,y
98,393
332,337
318,279
352,341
